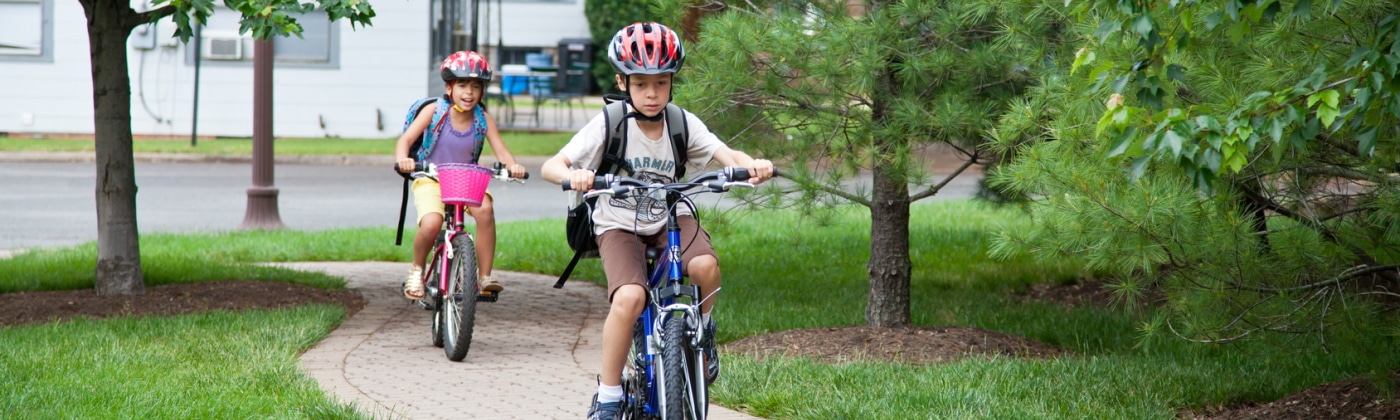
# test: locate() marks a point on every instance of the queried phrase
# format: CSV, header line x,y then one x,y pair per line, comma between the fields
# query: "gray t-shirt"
x,y
653,161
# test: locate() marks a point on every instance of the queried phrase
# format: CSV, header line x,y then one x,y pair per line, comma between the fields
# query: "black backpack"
x,y
578,227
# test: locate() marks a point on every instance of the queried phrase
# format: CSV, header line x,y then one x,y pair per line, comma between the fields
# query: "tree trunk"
x,y
118,244
890,267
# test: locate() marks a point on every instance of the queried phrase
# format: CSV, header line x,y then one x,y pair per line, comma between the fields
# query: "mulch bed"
x,y
916,345
176,299
1355,398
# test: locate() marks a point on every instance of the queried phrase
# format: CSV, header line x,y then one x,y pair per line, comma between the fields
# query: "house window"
x,y
318,46
26,30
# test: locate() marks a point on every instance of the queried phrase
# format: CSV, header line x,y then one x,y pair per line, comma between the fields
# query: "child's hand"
x,y
760,170
516,170
405,165
581,180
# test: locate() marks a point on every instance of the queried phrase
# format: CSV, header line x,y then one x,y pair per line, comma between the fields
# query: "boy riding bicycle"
x,y
458,138
646,57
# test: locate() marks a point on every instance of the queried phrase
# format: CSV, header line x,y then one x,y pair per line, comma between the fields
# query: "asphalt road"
x,y
47,204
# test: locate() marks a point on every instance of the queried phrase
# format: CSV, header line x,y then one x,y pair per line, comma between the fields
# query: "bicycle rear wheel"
x,y
681,391
459,300
634,377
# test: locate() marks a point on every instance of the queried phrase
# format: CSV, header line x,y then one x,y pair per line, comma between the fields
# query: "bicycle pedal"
x,y
488,296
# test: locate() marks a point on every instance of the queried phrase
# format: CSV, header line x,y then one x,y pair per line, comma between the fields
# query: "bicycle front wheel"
x,y
459,300
682,393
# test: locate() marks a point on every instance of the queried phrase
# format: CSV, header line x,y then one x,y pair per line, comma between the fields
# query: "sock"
x,y
607,394
705,318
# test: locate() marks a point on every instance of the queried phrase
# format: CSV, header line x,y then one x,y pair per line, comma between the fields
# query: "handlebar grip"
x,y
417,167
737,174
599,182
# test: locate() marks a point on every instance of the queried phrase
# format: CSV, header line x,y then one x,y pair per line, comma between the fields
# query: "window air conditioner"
x,y
222,46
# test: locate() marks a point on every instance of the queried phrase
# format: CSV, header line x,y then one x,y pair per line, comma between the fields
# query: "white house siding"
x,y
380,70
527,24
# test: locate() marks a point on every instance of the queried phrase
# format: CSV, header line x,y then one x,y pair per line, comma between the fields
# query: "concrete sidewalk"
x,y
535,353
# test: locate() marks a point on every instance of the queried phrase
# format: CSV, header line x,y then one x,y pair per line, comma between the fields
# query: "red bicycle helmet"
x,y
646,48
466,65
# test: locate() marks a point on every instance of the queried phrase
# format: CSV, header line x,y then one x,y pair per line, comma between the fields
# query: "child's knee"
x,y
628,300
703,266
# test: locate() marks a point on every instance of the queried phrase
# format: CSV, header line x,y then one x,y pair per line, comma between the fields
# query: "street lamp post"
x,y
262,197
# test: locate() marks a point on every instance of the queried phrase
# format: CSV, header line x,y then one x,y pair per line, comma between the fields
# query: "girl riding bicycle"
x,y
646,57
457,139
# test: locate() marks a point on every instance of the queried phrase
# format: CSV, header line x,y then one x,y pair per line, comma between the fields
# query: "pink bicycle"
x,y
451,274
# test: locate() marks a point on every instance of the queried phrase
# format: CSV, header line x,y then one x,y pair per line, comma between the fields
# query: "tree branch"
x,y
830,190
149,16
935,188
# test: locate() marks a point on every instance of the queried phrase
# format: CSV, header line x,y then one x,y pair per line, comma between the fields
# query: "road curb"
x,y
318,160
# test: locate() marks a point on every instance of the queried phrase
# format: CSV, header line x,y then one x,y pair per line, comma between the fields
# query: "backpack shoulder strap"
x,y
430,134
615,143
680,137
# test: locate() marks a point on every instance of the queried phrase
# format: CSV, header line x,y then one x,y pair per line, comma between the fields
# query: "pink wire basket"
x,y
463,183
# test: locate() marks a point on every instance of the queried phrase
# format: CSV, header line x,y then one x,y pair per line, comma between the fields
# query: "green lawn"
x,y
519,143
782,271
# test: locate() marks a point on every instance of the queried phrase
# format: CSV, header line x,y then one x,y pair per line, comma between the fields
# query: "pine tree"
x,y
838,89
1238,155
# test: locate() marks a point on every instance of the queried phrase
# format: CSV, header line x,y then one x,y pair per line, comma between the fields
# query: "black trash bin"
x,y
575,60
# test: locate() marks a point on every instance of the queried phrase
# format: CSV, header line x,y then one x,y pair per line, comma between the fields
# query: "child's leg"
x,y
485,217
625,268
626,306
428,228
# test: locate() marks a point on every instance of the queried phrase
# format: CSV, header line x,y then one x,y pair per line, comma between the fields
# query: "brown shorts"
x,y
624,259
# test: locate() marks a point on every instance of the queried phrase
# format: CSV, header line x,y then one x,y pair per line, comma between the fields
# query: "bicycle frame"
x,y
666,284
443,253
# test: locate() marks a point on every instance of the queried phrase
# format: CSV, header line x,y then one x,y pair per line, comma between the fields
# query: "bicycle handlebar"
x,y
498,171
718,180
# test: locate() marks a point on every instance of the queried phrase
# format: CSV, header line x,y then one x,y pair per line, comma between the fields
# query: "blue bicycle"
x,y
665,374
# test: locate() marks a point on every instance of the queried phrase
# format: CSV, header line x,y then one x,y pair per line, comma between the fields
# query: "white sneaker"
x,y
489,284
413,286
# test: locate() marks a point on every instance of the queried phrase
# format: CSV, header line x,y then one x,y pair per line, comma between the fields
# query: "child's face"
x,y
465,92
650,92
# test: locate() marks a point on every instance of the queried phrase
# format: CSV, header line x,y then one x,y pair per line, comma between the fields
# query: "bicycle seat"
x,y
653,253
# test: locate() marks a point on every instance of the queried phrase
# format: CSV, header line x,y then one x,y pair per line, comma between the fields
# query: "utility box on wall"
x,y
575,60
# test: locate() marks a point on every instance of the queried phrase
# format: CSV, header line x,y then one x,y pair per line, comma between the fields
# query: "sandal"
x,y
489,284
413,286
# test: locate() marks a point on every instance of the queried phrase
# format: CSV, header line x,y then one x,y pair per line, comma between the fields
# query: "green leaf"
x,y
1214,19
1143,25
1272,9
1176,72
1138,167
1235,159
1122,141
1107,28
1367,139
1120,83
1327,114
1238,31
1275,129
1081,57
1303,9
1174,141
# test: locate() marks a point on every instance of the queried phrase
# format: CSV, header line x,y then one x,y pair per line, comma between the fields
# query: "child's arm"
x,y
498,147
415,129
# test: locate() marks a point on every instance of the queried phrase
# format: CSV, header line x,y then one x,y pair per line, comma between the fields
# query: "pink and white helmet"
x,y
466,65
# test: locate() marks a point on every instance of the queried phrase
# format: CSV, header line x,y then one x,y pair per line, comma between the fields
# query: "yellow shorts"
x,y
427,198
